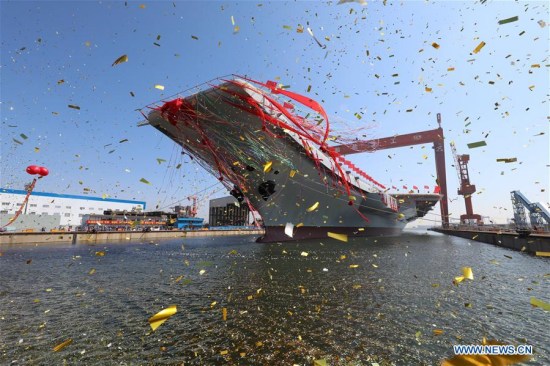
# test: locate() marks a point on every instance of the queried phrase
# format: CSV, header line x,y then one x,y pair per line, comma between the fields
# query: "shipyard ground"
x,y
534,243
82,237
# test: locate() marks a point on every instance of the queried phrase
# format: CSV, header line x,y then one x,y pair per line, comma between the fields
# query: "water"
x,y
302,307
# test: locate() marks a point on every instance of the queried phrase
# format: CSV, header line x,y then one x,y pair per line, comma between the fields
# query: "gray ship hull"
x,y
287,180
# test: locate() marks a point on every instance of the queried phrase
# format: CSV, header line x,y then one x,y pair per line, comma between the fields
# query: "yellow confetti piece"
x,y
202,271
143,180
353,265
321,362
341,237
100,254
159,87
543,254
437,332
142,6
457,280
92,271
60,346
156,320
304,254
232,20
224,314
435,45
224,352
467,273
250,297
479,47
292,173
428,90
450,69
535,66
313,207
36,149
259,344
531,87
120,60
540,304
267,166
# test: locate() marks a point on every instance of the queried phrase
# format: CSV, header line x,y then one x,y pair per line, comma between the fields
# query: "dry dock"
x,y
21,238
535,243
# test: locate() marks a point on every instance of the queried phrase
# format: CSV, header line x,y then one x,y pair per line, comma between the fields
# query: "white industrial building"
x,y
70,208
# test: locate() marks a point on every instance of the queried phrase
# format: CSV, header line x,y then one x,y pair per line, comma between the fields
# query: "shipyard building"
x,y
227,211
53,210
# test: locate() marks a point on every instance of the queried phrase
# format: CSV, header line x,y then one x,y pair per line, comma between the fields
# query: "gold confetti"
x,y
542,254
202,271
100,254
292,173
92,271
224,352
304,254
540,304
341,237
36,149
437,332
143,180
321,362
479,47
428,90
435,45
159,87
313,207
450,69
156,320
267,166
60,346
353,265
224,314
73,106
120,60
467,273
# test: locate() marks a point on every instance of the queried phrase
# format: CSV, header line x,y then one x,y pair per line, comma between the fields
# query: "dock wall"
x,y
511,240
21,238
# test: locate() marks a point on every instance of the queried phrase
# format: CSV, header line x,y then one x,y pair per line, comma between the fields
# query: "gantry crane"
x,y
194,207
539,217
423,137
466,189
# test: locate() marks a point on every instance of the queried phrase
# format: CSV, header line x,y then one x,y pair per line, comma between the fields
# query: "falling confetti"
x,y
508,20
143,180
120,60
476,144
313,207
73,106
159,87
540,304
267,166
341,237
60,346
479,47
289,229
156,320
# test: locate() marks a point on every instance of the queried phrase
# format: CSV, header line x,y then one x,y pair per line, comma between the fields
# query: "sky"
x,y
396,64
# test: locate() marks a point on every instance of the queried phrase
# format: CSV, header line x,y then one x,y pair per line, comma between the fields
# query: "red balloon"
x,y
32,169
43,171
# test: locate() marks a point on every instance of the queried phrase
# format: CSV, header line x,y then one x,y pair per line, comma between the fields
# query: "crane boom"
x,y
423,137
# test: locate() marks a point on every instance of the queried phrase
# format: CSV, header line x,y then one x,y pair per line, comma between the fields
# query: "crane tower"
x,y
466,189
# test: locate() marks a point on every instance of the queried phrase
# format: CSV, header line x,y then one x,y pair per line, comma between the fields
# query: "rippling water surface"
x,y
283,307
